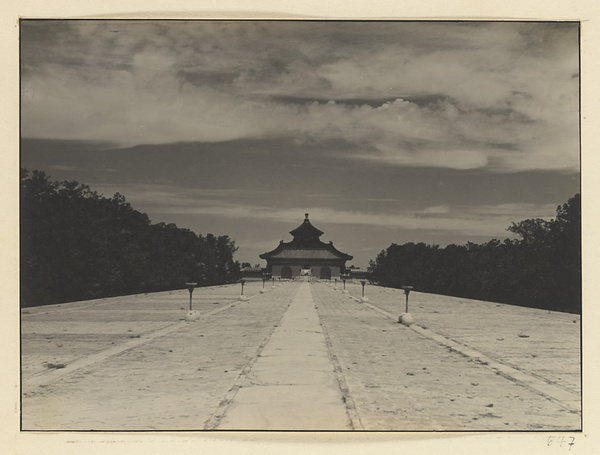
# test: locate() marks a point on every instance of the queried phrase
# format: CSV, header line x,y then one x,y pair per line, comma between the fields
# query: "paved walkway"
x,y
292,385
298,356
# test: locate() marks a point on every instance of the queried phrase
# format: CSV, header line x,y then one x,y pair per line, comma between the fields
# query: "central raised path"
x,y
292,385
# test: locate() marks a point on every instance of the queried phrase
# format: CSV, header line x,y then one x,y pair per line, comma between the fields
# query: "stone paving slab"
x,y
279,370
319,411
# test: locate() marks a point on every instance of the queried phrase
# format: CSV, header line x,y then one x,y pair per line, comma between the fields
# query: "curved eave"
x,y
268,254
345,256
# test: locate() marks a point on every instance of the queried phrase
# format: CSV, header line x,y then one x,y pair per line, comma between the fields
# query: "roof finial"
x,y
306,216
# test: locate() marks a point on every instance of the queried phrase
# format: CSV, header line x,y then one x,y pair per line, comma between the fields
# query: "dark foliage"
x,y
78,245
541,269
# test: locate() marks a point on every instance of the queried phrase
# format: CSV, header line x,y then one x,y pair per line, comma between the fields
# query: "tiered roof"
x,y
306,233
306,245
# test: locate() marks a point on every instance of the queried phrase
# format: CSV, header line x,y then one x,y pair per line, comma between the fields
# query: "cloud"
x,y
59,167
176,197
475,220
498,96
437,210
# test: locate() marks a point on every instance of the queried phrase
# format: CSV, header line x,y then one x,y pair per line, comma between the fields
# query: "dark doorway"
x,y
325,273
286,272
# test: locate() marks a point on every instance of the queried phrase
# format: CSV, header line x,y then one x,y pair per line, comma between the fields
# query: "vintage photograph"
x,y
300,225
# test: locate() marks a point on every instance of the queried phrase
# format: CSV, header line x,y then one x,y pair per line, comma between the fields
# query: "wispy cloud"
x,y
477,220
60,167
173,196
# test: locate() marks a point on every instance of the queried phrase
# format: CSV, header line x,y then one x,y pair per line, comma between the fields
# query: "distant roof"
x,y
251,269
358,273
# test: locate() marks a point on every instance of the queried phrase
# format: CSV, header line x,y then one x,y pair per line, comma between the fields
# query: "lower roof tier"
x,y
290,251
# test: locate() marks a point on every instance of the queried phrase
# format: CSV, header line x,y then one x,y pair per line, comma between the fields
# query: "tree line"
x,y
77,244
539,269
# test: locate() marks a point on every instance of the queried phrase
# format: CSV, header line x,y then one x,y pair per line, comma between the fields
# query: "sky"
x,y
384,132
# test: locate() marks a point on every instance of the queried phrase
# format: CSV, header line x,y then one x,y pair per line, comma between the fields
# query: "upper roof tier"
x,y
306,232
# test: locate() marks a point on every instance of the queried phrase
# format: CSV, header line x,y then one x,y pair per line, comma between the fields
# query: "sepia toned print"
x,y
183,184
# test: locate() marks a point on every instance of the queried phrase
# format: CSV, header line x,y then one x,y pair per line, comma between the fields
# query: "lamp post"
x,y
264,278
191,287
242,296
406,318
363,299
191,316
407,290
344,277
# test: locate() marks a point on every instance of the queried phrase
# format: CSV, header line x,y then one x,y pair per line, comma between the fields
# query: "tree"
x,y
542,268
77,244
